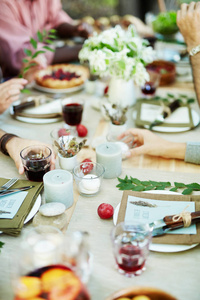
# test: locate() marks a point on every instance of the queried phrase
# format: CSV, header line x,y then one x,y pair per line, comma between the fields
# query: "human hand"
x,y
146,142
188,21
40,63
16,144
9,92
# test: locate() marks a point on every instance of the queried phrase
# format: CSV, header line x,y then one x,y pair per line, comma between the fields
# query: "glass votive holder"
x,y
88,177
131,247
77,255
149,88
36,161
39,270
125,146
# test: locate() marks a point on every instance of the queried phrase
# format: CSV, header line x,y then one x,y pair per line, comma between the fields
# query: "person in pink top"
x,y
21,19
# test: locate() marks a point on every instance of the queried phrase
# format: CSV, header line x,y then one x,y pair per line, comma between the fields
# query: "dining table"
x,y
173,270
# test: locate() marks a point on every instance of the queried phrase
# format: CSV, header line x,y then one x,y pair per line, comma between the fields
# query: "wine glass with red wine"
x,y
72,110
149,88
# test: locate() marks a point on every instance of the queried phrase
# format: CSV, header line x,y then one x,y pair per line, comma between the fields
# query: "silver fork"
x,y
8,184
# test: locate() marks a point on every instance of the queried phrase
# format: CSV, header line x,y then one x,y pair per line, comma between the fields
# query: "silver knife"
x,y
161,118
166,228
13,191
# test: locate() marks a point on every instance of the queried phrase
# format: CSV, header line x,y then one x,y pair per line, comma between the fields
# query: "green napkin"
x,y
142,123
14,226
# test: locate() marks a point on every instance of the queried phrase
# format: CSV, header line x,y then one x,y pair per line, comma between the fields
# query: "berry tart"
x,y
62,76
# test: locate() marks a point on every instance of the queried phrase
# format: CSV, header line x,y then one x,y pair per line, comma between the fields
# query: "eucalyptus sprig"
x,y
183,99
1,245
135,184
44,37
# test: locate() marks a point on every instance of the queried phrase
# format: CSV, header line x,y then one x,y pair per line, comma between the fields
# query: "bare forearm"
x,y
195,62
173,150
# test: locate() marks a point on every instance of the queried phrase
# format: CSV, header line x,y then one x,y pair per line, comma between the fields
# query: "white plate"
x,y
58,91
34,209
195,118
159,247
37,120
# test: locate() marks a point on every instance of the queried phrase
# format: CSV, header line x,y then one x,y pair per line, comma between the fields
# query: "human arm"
x,y
146,142
188,21
9,92
16,144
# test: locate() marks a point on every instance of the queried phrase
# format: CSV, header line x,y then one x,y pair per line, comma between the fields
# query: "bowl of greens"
x,y
165,23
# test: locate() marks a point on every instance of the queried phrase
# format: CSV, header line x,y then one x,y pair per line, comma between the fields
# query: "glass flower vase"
x,y
122,92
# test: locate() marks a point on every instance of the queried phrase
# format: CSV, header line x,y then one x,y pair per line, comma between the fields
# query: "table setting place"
x,y
101,224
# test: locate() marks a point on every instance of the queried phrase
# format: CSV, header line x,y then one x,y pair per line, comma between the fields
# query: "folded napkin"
x,y
148,110
14,226
176,239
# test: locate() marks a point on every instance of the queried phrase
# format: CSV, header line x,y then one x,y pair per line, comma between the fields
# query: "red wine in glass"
x,y
72,113
149,88
131,259
35,169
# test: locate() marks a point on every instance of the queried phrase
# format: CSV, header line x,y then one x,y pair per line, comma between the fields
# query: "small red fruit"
x,y
82,130
106,90
87,166
63,132
105,211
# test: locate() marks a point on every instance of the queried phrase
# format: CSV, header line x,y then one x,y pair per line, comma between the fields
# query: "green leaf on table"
x,y
194,186
138,188
1,244
170,95
145,183
190,100
187,191
37,53
28,52
179,184
155,183
48,48
136,181
174,189
183,95
127,187
33,43
149,188
160,188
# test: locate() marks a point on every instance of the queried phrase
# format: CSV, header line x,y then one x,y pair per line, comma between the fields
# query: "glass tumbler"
x,y
131,247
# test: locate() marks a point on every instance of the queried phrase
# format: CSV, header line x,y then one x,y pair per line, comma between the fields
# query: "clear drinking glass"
x,y
36,161
131,247
72,110
39,270
149,88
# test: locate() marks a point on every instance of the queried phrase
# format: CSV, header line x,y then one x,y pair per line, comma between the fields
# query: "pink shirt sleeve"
x,y
17,27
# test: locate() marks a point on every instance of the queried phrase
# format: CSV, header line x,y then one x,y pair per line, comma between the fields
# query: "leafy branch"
x,y
135,184
42,37
183,99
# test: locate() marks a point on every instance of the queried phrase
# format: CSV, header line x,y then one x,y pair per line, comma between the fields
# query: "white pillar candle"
x,y
110,156
58,187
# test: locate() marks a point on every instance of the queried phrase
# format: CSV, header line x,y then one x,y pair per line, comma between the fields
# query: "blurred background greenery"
x,y
105,8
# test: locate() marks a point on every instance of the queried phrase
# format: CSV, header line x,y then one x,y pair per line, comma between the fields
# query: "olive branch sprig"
x,y
135,184
44,37
1,245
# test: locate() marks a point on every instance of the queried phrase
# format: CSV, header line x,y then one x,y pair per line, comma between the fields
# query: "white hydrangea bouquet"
x,y
117,52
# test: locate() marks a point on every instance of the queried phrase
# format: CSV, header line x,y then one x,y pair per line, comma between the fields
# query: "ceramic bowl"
x,y
166,69
88,177
149,292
